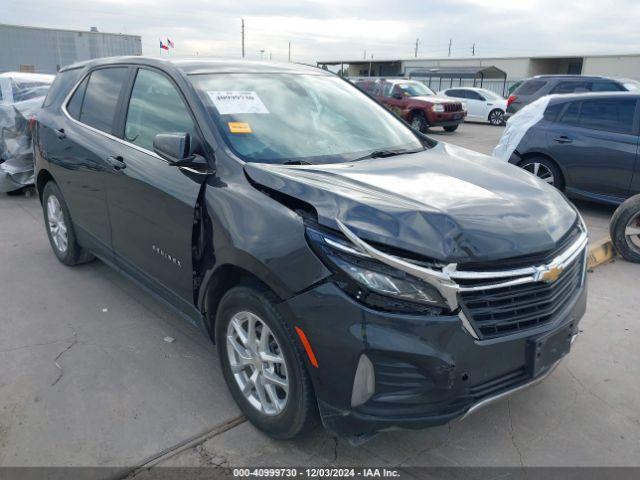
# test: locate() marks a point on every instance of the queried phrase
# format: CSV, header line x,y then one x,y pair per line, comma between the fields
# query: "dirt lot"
x,y
88,379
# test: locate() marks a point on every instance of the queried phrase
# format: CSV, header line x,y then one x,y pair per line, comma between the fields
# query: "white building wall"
x,y
624,66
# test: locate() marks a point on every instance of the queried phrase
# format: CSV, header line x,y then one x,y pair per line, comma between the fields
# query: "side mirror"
x,y
173,147
176,149
398,96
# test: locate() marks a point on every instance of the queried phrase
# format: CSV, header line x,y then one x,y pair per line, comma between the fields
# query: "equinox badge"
x,y
167,256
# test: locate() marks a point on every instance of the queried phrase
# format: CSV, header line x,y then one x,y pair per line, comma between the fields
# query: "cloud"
x,y
325,29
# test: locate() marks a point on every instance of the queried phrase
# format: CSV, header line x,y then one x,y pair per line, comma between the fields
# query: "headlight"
x,y
371,282
438,108
464,106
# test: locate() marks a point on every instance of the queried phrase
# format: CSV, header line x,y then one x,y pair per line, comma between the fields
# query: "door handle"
x,y
60,134
562,139
117,163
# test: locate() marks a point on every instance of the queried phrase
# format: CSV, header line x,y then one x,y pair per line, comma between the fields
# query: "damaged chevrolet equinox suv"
x,y
348,267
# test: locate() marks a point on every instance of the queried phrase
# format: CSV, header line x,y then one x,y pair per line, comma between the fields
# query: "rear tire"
x,y
496,117
451,128
256,383
59,227
545,169
625,229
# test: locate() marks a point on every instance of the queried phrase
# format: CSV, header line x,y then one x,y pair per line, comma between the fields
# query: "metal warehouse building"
x,y
46,50
516,68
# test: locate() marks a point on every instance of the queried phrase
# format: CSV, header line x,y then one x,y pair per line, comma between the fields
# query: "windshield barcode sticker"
x,y
233,102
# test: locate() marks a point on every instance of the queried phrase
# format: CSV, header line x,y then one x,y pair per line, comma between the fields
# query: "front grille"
x,y
502,311
453,107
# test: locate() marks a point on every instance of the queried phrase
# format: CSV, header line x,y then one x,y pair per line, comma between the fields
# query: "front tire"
x,y
625,229
262,364
60,231
451,128
419,122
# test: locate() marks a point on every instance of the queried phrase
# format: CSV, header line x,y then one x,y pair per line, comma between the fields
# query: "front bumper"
x,y
445,119
428,370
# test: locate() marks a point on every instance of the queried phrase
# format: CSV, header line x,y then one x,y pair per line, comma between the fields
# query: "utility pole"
x,y
270,56
473,49
364,55
450,47
416,51
289,52
242,38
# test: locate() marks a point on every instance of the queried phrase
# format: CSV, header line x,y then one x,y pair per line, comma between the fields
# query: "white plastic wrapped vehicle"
x,y
21,95
518,125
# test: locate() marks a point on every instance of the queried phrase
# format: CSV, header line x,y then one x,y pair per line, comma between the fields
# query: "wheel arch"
x,y
536,153
44,176
221,280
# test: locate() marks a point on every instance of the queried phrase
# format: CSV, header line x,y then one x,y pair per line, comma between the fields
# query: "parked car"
x,y
482,105
625,229
583,144
21,95
343,263
416,103
541,85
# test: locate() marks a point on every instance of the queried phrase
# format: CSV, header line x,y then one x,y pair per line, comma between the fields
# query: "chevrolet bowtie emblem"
x,y
551,274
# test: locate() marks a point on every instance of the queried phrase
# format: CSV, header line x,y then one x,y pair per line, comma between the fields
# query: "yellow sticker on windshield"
x,y
239,127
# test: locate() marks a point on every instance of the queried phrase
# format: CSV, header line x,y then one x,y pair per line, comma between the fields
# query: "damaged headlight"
x,y
372,282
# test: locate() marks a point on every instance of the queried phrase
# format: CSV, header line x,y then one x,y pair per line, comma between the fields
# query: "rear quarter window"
x,y
530,87
60,87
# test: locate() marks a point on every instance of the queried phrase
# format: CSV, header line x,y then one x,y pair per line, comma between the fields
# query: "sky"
x,y
339,29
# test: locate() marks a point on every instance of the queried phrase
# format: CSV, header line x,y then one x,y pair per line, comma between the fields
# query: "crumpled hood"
x,y
447,203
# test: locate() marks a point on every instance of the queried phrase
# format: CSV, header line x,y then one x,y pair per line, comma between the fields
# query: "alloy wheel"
x,y
496,117
632,232
541,171
416,123
257,363
57,225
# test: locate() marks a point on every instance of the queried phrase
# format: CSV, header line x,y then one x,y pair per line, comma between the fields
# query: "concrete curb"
x,y
600,252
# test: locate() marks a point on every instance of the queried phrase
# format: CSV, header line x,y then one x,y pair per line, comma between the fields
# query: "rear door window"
x,y
608,114
101,98
552,111
456,93
530,87
571,87
571,114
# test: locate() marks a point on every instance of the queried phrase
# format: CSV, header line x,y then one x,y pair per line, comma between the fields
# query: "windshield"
x,y
289,118
415,89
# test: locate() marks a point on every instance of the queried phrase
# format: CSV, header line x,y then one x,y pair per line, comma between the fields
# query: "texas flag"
x,y
163,46
170,43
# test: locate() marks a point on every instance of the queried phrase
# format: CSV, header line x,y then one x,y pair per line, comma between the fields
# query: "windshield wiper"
x,y
386,153
297,162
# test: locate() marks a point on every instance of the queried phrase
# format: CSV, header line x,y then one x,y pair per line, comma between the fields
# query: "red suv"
x,y
416,103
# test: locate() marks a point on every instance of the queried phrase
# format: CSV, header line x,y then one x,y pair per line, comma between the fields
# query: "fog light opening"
x,y
364,383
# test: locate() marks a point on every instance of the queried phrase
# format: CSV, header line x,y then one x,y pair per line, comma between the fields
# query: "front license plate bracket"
x,y
547,349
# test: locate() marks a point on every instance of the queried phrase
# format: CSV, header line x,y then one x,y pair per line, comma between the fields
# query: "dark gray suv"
x,y
586,145
356,270
541,85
